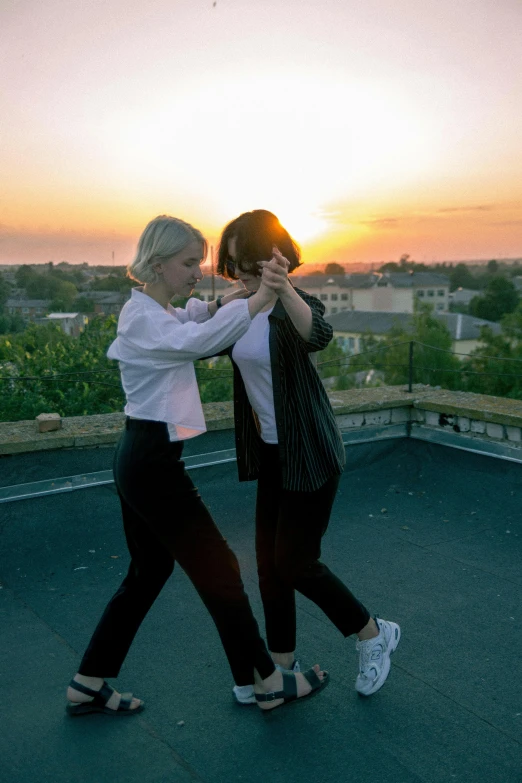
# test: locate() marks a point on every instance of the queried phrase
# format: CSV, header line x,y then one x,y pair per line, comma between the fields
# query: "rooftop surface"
x,y
425,535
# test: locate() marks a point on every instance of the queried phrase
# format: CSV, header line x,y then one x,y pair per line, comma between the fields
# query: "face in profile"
x,y
249,276
182,272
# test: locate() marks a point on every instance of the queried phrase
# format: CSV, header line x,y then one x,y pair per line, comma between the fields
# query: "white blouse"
x,y
156,349
252,355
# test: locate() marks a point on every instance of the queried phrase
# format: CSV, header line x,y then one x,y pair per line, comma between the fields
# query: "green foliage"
x,y
116,282
64,295
42,351
334,269
500,298
333,360
405,264
500,376
23,275
5,290
11,324
82,305
459,307
433,360
215,379
337,364
461,277
51,283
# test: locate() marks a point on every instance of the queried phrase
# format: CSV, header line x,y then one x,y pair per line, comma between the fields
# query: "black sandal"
x,y
289,692
99,701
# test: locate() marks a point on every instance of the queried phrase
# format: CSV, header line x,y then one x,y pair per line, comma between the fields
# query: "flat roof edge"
x,y
386,404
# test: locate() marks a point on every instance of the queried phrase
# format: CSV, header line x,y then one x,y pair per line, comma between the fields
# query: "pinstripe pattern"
x,y
310,444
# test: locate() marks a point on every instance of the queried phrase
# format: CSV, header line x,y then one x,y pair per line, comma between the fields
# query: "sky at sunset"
x,y
370,128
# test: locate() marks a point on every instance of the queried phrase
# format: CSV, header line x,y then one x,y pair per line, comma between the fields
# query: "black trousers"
x,y
165,521
289,528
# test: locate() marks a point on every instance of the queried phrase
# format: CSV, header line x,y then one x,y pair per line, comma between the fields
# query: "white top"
x,y
252,355
156,349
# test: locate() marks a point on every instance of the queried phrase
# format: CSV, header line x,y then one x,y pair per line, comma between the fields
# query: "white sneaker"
x,y
244,694
374,657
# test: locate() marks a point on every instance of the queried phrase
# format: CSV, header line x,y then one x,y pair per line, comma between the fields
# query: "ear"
x,y
158,267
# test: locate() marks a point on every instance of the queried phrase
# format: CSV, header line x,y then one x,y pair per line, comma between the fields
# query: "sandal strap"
x,y
272,696
289,692
289,686
312,678
100,697
105,693
125,702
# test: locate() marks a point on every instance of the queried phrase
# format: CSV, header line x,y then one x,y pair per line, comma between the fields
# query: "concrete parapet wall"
x,y
425,410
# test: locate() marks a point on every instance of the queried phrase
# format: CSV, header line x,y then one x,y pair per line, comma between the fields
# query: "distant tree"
x,y
82,305
389,266
64,295
489,372
512,325
461,277
492,267
334,269
5,289
459,307
405,264
24,274
114,282
11,324
500,298
434,360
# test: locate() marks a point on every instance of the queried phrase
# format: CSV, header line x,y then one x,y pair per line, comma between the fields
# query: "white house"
x,y
70,323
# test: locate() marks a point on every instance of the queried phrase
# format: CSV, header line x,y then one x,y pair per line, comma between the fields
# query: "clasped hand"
x,y
275,272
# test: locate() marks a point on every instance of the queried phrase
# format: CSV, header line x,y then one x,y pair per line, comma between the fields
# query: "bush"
x,y
44,351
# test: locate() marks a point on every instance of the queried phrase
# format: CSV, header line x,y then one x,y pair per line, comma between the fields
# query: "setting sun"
x,y
369,133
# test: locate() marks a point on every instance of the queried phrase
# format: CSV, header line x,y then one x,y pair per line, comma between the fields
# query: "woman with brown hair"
x,y
287,438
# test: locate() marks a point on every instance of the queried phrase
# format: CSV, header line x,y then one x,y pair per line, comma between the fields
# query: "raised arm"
x,y
170,341
298,311
306,317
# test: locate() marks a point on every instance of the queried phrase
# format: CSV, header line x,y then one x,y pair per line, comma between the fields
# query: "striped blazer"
x,y
310,443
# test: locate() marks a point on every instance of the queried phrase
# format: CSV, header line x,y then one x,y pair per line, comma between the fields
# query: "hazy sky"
x,y
370,128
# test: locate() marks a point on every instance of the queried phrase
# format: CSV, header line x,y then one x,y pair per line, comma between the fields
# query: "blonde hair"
x,y
162,238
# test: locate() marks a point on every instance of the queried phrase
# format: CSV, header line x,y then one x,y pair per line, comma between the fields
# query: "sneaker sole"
x,y
379,682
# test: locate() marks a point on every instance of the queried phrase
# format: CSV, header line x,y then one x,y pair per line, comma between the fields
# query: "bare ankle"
x,y
87,680
370,631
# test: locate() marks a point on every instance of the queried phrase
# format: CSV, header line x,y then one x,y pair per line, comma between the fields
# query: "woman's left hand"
x,y
275,272
231,296
236,293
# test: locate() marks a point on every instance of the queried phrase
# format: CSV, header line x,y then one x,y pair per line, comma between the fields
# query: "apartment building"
x,y
372,292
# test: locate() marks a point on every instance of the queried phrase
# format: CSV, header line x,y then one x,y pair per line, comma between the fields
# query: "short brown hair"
x,y
256,233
